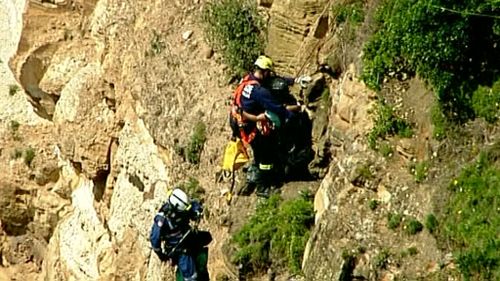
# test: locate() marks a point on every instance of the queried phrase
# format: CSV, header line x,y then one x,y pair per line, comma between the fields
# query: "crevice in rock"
x,y
347,269
102,175
16,210
100,184
136,181
322,27
109,96
32,72
77,166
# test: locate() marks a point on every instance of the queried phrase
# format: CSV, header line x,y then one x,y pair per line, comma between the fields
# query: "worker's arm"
x,y
293,108
253,118
269,102
196,210
155,237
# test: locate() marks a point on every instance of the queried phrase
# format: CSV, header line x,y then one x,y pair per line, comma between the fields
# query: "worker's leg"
x,y
268,164
187,266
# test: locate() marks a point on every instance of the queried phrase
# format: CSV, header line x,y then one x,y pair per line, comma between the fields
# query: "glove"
x,y
303,80
163,257
197,209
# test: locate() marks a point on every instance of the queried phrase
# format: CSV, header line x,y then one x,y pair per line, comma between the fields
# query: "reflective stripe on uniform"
x,y
192,278
265,167
247,91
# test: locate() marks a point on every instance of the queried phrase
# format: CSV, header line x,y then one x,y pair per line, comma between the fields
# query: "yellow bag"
x,y
235,156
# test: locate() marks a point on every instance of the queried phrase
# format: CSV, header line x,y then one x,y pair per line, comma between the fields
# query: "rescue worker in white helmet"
x,y
183,245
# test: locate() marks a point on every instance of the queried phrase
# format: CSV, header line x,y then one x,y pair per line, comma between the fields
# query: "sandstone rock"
x,y
323,198
383,195
315,89
13,107
289,30
64,65
187,34
15,209
74,94
207,52
24,248
46,173
148,168
265,3
78,240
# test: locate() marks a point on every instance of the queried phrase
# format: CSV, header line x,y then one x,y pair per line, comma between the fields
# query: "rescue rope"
x,y
464,13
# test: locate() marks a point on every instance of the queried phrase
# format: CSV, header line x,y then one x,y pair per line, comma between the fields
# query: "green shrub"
x,y
278,232
413,226
29,155
393,220
412,251
450,48
157,44
439,122
385,149
486,102
352,11
195,146
235,28
14,126
387,123
325,97
431,223
13,89
373,204
14,130
193,189
420,171
471,221
381,259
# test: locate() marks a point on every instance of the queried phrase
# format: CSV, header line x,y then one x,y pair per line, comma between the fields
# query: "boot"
x,y
251,180
265,183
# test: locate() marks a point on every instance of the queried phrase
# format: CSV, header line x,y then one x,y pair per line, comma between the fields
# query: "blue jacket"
x,y
169,226
256,99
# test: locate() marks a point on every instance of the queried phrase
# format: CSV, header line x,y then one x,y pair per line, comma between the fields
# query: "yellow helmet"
x,y
264,62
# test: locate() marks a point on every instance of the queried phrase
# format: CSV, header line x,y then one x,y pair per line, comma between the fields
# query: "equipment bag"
x,y
235,156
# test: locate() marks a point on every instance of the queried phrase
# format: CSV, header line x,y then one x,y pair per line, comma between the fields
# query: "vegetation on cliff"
x,y
235,28
277,234
452,45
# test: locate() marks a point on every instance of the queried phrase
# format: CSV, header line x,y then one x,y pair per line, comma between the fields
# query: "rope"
x,y
464,13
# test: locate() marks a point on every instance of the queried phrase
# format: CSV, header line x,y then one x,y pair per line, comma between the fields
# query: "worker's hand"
x,y
163,257
261,117
303,80
293,108
197,209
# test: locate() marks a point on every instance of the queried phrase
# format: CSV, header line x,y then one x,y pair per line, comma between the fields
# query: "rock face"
x,y
295,28
351,237
93,242
90,216
111,89
13,106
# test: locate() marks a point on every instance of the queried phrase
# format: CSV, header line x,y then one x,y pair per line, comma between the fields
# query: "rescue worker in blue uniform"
x,y
253,108
182,245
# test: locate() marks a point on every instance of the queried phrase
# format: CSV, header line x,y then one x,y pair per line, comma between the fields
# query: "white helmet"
x,y
179,199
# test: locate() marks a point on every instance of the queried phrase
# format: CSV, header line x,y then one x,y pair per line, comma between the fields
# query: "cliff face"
x,y
81,209
109,90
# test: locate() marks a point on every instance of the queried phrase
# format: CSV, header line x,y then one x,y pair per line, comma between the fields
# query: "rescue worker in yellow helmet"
x,y
253,107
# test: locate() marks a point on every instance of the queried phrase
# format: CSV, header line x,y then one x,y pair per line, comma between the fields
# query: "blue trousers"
x,y
187,266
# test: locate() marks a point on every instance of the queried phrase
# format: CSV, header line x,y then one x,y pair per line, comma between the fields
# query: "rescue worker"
x,y
183,245
252,109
